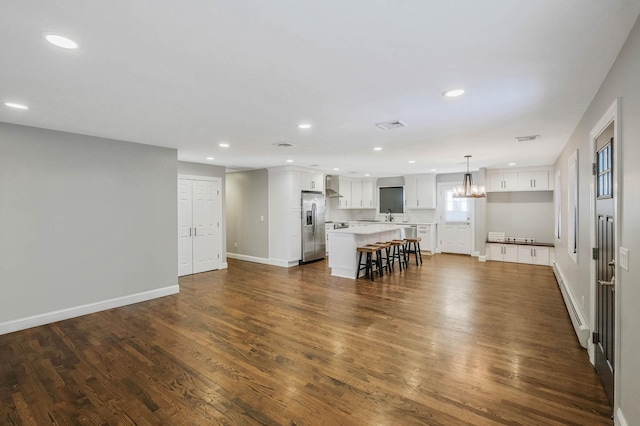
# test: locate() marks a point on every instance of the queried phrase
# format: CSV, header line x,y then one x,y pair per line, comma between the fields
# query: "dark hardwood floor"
x,y
451,342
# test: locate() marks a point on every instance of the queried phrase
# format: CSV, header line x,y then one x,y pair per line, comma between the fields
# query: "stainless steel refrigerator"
x,y
313,236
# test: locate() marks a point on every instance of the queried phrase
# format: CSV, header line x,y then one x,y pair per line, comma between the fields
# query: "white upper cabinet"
x,y
537,180
530,179
344,189
498,182
420,191
367,194
356,193
312,181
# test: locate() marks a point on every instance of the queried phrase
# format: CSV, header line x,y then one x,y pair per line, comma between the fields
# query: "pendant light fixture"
x,y
468,189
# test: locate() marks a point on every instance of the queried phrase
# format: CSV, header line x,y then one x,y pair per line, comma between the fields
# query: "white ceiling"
x,y
190,74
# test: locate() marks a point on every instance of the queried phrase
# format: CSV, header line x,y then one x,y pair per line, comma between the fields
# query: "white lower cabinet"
x,y
427,235
503,252
534,255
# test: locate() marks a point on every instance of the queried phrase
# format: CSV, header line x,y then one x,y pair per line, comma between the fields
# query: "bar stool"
x,y
397,252
385,255
415,249
368,264
402,249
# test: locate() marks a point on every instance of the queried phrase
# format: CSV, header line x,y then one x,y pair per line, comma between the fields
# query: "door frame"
x,y
223,258
441,222
613,114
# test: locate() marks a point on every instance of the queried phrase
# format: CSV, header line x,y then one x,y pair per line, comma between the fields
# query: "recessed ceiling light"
x,y
336,169
367,174
434,170
210,158
223,145
412,161
512,164
16,106
61,41
377,148
453,93
304,126
289,161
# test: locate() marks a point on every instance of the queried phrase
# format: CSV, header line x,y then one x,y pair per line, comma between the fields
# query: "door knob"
x,y
611,283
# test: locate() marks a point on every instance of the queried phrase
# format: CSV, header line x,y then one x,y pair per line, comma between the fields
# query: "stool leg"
x,y
419,252
359,266
369,266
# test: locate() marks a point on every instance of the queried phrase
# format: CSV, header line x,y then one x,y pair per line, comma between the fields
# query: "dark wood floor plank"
x,y
453,342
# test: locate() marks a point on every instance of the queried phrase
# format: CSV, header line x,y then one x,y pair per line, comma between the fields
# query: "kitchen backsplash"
x,y
345,215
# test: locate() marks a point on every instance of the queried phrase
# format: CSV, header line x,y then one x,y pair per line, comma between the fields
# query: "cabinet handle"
x,y
534,183
189,231
195,231
418,201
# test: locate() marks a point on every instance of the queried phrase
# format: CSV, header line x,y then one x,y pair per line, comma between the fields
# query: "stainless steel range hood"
x,y
331,185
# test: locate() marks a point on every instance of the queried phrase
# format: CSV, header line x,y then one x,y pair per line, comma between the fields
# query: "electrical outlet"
x,y
624,258
235,244
583,303
261,218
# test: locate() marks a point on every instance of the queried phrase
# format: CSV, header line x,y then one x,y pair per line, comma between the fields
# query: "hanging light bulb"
x,y
468,189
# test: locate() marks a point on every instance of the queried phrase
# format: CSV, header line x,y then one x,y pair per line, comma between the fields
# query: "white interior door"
x,y
455,221
206,226
185,225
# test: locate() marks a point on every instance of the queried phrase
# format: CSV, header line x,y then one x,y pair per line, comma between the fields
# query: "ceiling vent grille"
x,y
528,138
388,125
284,144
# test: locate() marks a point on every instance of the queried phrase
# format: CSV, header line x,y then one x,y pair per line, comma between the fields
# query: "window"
x,y
572,207
456,209
558,206
605,169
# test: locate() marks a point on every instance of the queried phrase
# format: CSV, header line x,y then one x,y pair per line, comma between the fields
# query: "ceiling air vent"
x,y
388,125
284,144
528,138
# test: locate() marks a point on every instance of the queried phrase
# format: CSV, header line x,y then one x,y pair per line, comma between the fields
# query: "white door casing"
x,y
455,227
199,215
185,231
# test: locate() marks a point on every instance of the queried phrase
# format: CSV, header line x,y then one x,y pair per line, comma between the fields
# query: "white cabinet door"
x,y
345,190
185,231
495,252
356,194
502,182
199,240
541,256
411,192
533,181
510,253
426,191
311,181
367,194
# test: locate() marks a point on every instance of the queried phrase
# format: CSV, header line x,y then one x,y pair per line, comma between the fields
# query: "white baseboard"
x,y
618,419
224,265
246,258
475,254
90,308
284,263
482,258
578,320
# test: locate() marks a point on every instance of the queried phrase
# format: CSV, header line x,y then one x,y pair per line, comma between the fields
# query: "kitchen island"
x,y
343,259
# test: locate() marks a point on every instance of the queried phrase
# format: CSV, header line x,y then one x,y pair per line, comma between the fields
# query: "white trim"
x,y
618,419
574,309
475,254
246,258
482,258
90,308
193,177
224,265
284,263
613,114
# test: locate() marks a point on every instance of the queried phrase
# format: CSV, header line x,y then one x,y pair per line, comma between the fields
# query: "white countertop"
x,y
374,228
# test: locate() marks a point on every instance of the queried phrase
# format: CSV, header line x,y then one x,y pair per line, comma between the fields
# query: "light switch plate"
x,y
624,258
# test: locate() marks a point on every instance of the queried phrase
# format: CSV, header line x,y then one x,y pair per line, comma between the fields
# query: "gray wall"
x,y
621,82
521,214
248,200
82,220
197,169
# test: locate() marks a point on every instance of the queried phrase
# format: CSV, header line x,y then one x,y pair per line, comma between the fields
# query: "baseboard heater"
x,y
577,319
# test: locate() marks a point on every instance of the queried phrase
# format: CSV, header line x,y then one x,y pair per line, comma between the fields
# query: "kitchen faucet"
x,y
388,217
